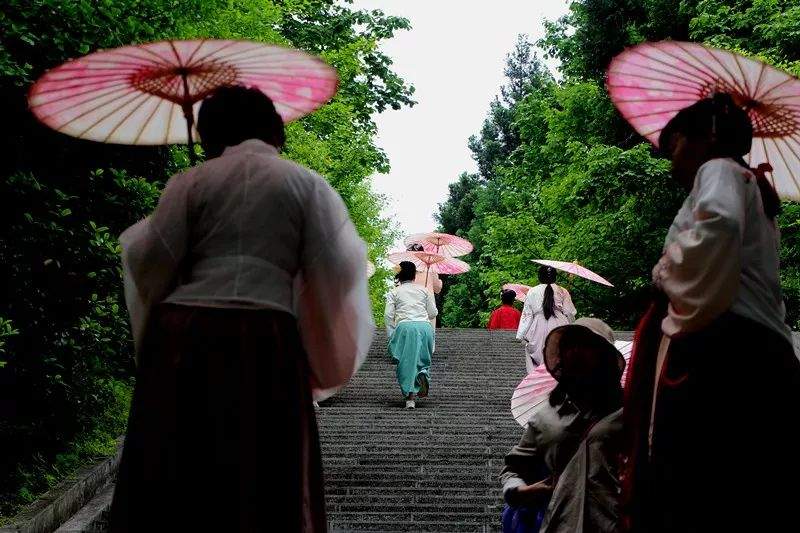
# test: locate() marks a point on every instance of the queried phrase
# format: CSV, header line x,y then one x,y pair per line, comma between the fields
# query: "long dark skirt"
x,y
725,452
222,433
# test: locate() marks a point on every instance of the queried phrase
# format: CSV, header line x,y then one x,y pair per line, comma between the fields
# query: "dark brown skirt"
x,y
222,434
724,454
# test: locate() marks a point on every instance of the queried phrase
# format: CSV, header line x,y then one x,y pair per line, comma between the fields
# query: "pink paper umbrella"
x,y
537,386
429,262
575,269
521,290
441,243
651,82
149,94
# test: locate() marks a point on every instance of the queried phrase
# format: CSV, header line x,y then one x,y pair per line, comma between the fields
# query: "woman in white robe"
x,y
547,306
247,293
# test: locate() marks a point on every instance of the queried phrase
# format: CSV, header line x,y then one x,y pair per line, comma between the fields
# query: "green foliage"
x,y
65,349
563,177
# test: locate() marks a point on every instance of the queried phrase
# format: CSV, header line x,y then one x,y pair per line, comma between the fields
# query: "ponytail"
x,y
549,302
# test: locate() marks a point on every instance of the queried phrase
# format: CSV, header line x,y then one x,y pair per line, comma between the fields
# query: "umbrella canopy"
x,y
521,290
431,262
651,82
536,387
575,269
149,94
441,243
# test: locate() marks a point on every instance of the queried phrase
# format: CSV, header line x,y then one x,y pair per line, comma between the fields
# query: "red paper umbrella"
x,y
441,243
575,269
651,82
521,290
149,94
536,387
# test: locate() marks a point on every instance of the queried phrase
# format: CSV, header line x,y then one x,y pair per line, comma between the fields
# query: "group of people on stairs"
x,y
248,299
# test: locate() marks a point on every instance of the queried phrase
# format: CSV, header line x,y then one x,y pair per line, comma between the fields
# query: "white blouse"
x,y
408,302
252,230
534,306
722,253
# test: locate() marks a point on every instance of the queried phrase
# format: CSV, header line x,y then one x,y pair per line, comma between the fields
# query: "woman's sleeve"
x,y
331,297
388,314
492,320
525,320
569,307
430,303
700,270
153,250
437,283
521,462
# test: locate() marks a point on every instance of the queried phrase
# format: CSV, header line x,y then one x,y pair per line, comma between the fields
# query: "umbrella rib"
x,y
532,407
759,80
227,57
653,89
194,53
74,94
176,54
777,85
725,68
103,117
682,83
654,100
796,155
122,94
199,60
128,115
672,74
148,120
158,61
169,124
736,58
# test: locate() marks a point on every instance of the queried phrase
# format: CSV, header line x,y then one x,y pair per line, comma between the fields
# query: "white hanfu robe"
x,y
534,327
251,230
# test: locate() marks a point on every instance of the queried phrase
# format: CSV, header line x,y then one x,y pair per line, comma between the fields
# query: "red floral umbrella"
x,y
521,290
536,387
651,82
149,94
441,243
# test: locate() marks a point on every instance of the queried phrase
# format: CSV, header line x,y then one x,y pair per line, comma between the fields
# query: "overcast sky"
x,y
454,55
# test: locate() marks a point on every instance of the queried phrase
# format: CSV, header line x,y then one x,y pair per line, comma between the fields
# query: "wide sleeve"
x,y
522,462
152,253
331,298
568,307
493,320
700,270
436,283
388,314
430,303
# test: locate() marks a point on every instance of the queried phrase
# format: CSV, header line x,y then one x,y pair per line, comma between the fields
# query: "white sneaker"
x,y
410,404
316,405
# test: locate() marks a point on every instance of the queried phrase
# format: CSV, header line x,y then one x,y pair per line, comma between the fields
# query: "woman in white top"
x,y
247,293
409,309
714,392
547,306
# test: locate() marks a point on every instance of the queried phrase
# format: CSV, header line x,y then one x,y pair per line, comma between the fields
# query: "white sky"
x,y
454,55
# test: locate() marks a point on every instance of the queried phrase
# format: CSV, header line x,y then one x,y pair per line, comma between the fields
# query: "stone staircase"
x,y
434,468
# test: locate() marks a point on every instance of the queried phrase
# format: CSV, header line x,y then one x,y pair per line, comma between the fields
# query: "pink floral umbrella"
x,y
536,387
521,290
651,82
149,94
575,269
441,243
429,262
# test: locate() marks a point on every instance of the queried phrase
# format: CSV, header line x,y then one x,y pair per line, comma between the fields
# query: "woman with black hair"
x,y
715,383
547,306
409,309
247,291
562,476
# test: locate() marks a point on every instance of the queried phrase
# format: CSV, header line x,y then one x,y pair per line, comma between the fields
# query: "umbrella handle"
x,y
188,114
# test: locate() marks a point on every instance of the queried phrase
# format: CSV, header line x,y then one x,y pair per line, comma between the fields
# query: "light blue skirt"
x,y
411,346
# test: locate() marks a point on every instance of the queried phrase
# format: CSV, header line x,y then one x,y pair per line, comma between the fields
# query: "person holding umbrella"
x,y
562,476
409,310
547,306
247,291
693,414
